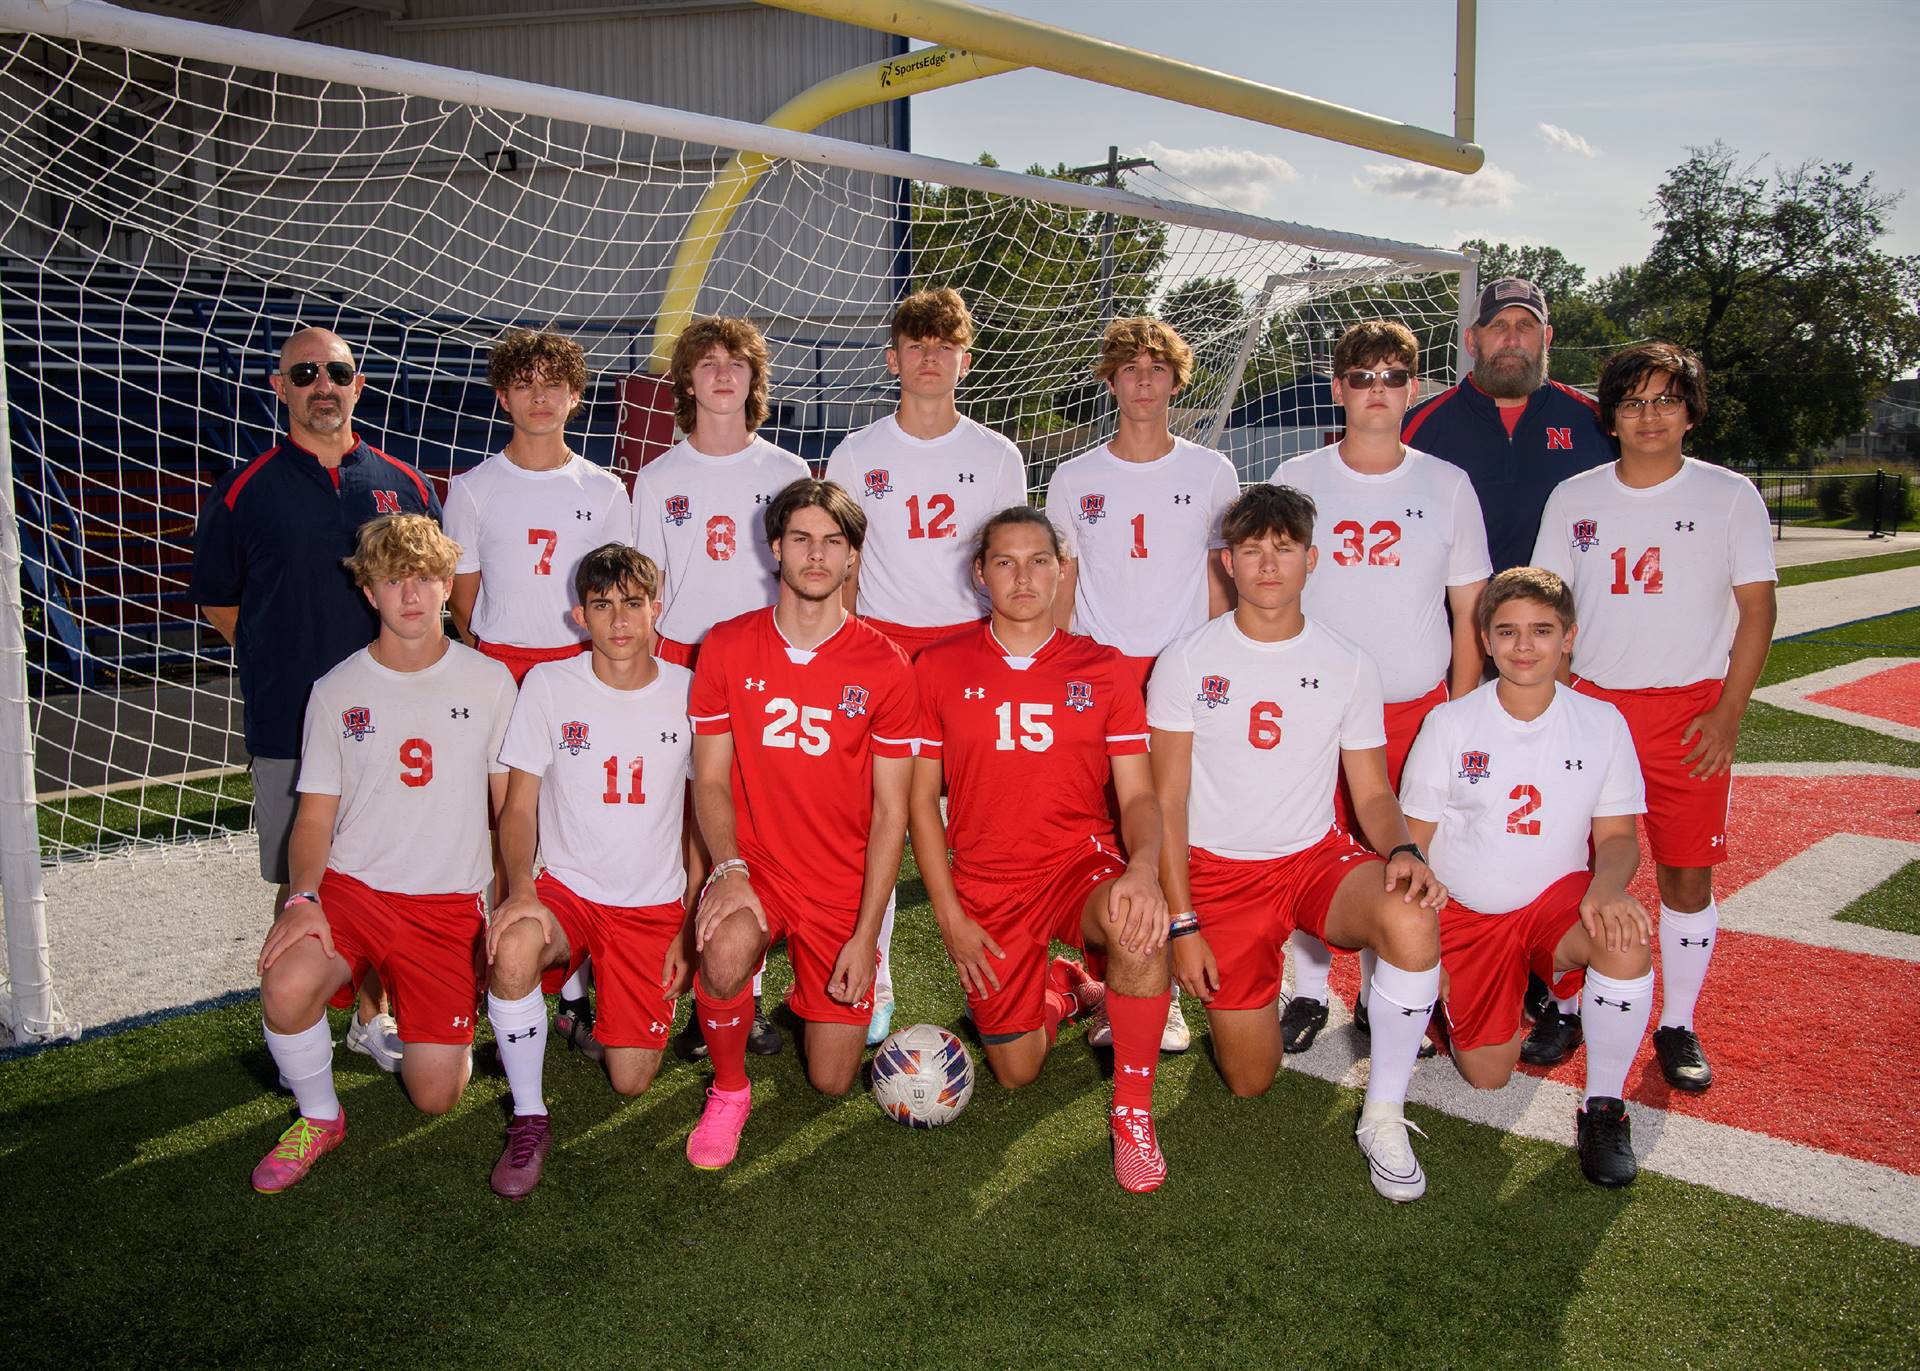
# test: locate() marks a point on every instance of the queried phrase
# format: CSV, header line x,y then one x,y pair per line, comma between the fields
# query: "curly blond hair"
x,y
742,342
393,546
522,354
1126,339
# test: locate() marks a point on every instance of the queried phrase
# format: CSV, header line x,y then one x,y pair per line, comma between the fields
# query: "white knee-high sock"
x,y
580,982
1686,946
306,1060
760,974
520,1032
1614,1021
1369,959
1311,959
1399,1006
883,973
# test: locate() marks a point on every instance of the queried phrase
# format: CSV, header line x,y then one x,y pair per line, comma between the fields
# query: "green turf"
x,y
840,1239
1847,566
154,813
1771,734
1894,904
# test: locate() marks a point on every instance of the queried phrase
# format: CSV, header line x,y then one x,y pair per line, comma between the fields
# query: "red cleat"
x,y
1138,1163
303,1144
1069,978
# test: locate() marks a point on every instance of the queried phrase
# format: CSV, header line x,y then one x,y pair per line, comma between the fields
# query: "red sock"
x,y
1138,1021
725,1024
1055,1009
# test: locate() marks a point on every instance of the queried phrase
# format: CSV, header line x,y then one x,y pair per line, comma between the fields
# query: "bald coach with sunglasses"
x,y
267,565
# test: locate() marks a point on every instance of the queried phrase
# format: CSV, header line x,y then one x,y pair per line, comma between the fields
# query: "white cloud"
x,y
1566,140
1239,177
1491,185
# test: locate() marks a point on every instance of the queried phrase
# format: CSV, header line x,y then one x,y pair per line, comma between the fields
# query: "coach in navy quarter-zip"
x,y
267,563
1515,433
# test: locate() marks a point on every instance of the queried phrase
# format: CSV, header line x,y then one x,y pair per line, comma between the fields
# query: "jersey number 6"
x,y
1263,725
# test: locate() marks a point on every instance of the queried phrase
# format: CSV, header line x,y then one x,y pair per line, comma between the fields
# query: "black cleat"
x,y
573,1023
1681,1060
1301,1022
1604,1137
765,1040
690,1044
1539,998
1360,1021
1553,1037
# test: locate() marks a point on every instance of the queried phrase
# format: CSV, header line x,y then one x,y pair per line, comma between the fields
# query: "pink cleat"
x,y
1138,1163
715,1140
298,1149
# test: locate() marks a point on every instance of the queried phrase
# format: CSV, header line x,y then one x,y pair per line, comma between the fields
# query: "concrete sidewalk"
x,y
1825,604
1800,546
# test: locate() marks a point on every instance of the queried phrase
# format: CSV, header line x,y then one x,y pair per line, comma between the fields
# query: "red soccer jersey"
x,y
806,726
1025,743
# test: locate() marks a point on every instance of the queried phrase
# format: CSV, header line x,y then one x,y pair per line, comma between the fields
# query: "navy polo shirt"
x,y
271,540
1558,436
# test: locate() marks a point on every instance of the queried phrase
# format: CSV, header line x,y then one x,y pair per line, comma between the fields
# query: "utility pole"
x,y
1111,168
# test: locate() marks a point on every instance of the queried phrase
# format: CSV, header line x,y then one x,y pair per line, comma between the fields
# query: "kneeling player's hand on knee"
x,y
974,953
852,974
1422,884
1615,919
514,909
1195,968
721,900
302,919
1138,911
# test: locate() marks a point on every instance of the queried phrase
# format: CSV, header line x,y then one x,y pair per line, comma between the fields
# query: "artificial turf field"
x,y
840,1238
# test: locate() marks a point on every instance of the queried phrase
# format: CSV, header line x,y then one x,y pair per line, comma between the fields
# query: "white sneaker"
x,y
378,1038
1176,1036
1394,1170
1100,1028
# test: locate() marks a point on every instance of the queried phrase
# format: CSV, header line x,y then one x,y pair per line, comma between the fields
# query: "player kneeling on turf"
x,y
599,749
1024,724
1506,786
390,849
1253,718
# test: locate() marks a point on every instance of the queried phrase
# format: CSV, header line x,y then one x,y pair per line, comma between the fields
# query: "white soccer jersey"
x,y
1653,570
613,768
1268,723
702,520
409,753
925,499
1390,546
525,533
1140,532
1515,802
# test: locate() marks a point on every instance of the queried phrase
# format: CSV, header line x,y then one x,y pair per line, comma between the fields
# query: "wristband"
x,y
726,868
1414,848
300,897
1183,924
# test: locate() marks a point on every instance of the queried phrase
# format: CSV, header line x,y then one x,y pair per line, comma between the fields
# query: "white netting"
x,y
166,223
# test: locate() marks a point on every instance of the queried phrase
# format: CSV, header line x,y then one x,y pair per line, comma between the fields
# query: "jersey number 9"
x,y
416,762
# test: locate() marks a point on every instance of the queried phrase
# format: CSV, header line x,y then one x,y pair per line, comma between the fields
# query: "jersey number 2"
x,y
416,762
1518,822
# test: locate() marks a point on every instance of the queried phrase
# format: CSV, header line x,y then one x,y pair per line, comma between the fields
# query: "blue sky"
x,y
1582,107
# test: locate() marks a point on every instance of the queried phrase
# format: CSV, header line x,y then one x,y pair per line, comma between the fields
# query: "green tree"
x,y
1777,282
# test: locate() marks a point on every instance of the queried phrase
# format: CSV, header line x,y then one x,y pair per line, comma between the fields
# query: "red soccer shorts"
x,y
910,638
1686,819
672,650
521,660
1488,957
1404,718
814,937
629,948
1248,909
430,951
1024,914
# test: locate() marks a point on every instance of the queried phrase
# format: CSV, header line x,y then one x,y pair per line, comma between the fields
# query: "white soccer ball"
x,y
922,1076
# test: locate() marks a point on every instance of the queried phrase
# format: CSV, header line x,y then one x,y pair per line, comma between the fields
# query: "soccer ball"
x,y
922,1076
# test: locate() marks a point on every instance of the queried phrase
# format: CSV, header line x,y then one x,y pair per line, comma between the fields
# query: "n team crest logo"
x,y
1079,696
1586,534
1213,691
679,510
853,701
1093,508
573,737
386,502
878,481
1475,767
356,723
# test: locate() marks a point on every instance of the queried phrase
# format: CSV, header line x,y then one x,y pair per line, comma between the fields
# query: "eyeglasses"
x,y
304,374
1394,378
1662,404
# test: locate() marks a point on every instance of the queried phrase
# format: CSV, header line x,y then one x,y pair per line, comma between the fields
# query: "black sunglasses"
x,y
1394,378
304,374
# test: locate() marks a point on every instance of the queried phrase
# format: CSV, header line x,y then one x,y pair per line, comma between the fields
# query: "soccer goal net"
x,y
177,199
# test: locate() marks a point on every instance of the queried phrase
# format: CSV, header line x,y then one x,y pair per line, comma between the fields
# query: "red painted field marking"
x,y
1893,695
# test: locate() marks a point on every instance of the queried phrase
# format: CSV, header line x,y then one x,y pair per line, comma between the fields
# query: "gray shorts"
x,y
274,801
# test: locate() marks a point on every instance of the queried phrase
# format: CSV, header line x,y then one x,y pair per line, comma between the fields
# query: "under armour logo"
x,y
1134,1071
1309,683
585,514
734,1022
1680,524
1575,764
974,693
1416,514
462,1021
1695,942
669,737
1718,840
966,478
756,683
763,499
1409,1013
1183,499
458,713
533,1032
1620,1005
